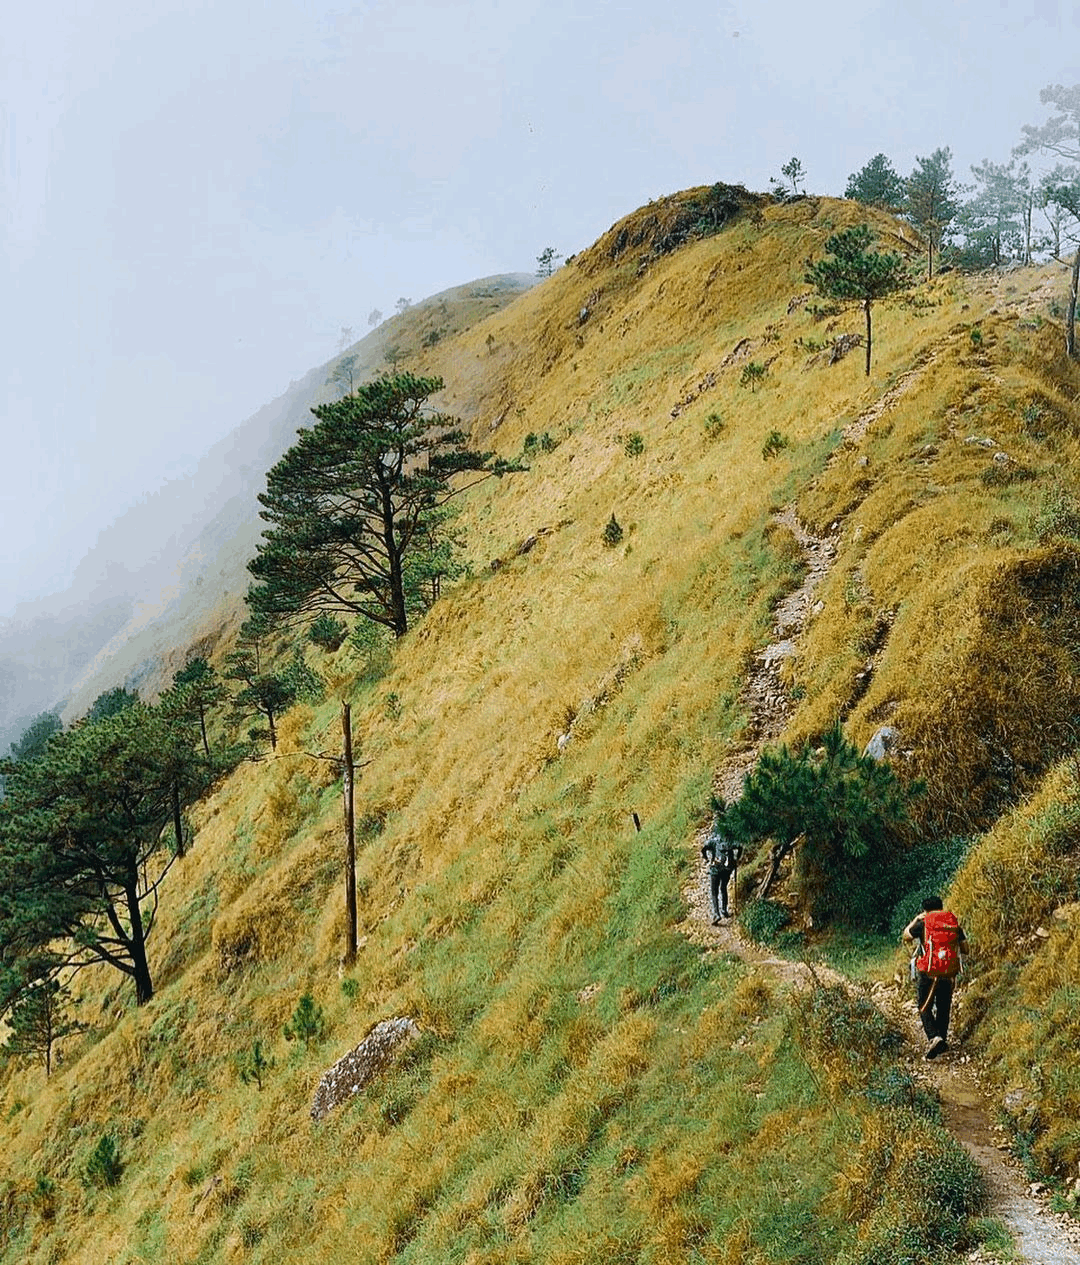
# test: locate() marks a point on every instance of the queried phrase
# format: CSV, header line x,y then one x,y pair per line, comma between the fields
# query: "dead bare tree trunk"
x,y
776,856
350,837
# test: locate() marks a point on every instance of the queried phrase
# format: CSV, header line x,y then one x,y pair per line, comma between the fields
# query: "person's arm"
x,y
708,849
913,931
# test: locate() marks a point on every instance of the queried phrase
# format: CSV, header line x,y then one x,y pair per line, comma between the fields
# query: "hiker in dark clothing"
x,y
937,963
723,858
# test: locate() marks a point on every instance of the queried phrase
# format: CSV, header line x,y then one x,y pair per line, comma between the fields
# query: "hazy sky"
x,y
199,194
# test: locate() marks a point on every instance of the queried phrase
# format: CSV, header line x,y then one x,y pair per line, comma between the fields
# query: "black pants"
x,y
718,884
935,1016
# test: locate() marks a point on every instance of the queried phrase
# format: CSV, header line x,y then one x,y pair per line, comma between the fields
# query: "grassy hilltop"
x,y
590,1085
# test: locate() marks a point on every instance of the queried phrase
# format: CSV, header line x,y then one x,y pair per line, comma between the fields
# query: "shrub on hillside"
x,y
308,1023
844,1033
104,1168
914,1191
753,375
1058,515
612,532
304,684
535,443
774,445
252,1064
839,812
714,426
764,920
327,633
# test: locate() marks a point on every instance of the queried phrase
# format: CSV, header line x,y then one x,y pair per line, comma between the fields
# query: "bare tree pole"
x,y
350,837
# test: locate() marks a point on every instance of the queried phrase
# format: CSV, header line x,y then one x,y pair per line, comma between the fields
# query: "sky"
x,y
197,196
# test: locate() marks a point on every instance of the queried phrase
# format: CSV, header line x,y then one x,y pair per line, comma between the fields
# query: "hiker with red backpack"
x,y
937,964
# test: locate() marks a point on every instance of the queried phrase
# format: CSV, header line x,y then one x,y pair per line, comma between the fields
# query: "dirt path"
x,y
1041,1236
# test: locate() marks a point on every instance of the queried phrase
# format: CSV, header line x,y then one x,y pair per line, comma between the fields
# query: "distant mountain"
x,y
171,571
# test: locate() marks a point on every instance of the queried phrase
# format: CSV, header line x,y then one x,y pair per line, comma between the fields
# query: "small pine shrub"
x,y
43,1197
371,824
252,1064
535,443
976,337
252,1232
304,683
753,375
775,444
350,988
714,426
847,807
308,1023
327,633
104,1168
612,533
634,444
372,643
392,706
1004,475
194,1176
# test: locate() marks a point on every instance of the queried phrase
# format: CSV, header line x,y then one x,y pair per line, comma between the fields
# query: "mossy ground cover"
x,y
590,1085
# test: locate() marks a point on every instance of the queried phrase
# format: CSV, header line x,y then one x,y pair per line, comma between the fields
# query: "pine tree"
x,y
262,693
35,737
351,504
877,184
993,219
196,689
852,271
1060,135
82,856
37,1020
930,200
545,262
794,171
838,810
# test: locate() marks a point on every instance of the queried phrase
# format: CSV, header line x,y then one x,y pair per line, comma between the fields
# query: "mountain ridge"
x,y
539,754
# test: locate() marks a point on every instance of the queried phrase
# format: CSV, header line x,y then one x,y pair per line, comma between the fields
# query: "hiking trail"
x,y
1041,1236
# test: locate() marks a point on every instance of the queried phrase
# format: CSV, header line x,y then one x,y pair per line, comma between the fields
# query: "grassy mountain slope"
x,y
589,1085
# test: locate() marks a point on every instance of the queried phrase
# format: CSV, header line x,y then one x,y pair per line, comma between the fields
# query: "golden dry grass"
x,y
507,877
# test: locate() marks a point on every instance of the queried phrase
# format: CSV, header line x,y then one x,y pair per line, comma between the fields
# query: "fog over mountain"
x,y
172,569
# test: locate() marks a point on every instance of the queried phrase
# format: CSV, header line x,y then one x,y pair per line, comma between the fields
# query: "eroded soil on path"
x,y
1041,1236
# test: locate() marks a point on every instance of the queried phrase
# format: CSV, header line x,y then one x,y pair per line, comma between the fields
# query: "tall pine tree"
x,y
352,503
852,271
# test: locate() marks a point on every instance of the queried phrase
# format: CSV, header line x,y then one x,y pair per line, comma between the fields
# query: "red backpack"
x,y
940,958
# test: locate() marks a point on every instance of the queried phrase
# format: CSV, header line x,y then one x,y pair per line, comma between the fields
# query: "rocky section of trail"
x,y
764,695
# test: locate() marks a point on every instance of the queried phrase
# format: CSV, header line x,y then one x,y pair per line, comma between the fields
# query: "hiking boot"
x,y
716,922
936,1047
725,914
